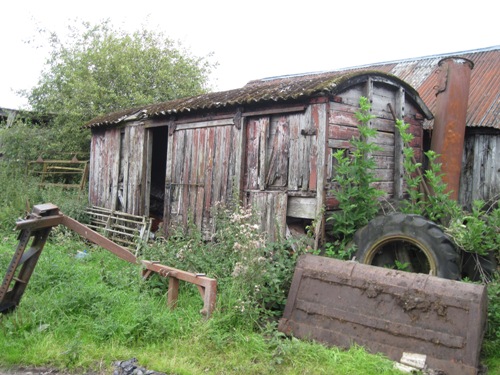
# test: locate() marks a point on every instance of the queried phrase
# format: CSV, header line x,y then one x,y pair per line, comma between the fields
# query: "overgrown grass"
x,y
83,314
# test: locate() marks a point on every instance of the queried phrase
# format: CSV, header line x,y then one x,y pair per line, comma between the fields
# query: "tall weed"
x,y
20,192
353,186
253,275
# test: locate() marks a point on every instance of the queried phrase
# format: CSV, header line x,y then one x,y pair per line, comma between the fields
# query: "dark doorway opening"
x,y
158,171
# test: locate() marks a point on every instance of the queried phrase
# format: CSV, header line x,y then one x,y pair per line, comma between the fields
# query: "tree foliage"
x,y
99,69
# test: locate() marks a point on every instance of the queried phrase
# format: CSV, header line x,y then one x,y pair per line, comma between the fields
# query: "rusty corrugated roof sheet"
x,y
258,91
484,96
419,73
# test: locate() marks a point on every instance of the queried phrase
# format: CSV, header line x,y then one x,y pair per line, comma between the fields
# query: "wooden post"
x,y
398,145
173,292
322,110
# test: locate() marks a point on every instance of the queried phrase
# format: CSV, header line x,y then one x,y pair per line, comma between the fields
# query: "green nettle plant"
x,y
354,186
476,232
437,205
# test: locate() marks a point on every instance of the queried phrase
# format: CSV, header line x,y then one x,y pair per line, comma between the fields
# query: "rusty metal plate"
x,y
387,311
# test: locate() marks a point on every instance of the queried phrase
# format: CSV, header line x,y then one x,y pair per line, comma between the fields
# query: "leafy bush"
x,y
475,232
491,346
24,141
252,274
427,193
97,69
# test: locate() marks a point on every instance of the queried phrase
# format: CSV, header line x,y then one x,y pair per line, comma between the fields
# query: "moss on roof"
x,y
279,89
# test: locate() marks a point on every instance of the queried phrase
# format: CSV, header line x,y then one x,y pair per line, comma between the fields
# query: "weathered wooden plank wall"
x,y
104,163
281,152
282,156
480,178
256,135
271,208
117,172
131,168
343,126
277,151
200,173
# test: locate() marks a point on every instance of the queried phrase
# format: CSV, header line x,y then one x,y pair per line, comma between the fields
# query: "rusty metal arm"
x,y
46,216
35,222
39,222
206,286
98,239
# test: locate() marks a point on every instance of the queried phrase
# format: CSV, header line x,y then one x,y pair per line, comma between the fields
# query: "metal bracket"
x,y
171,128
237,119
308,132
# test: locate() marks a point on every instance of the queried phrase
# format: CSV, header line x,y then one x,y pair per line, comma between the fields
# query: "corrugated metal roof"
x,y
484,95
277,89
419,73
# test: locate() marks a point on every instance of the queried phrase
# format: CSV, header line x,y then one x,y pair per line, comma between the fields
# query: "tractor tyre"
x,y
477,267
407,242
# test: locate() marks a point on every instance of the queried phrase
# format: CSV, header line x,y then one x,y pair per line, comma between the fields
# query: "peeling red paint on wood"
x,y
277,174
289,152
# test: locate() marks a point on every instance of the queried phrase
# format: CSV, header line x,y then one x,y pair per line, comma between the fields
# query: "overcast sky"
x,y
258,38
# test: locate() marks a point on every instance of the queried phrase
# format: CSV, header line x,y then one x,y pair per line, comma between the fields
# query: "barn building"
x,y
268,143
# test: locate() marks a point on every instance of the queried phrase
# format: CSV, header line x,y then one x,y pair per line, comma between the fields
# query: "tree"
x,y
99,69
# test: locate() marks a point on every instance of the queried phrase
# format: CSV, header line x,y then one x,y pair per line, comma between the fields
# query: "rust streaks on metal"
x,y
206,285
388,311
38,226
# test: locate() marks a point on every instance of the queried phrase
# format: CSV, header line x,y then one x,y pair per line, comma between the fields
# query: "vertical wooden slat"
x,y
95,160
168,185
305,151
316,110
125,157
178,173
226,164
210,153
322,111
200,174
398,147
193,185
293,156
252,154
135,174
239,156
115,139
217,165
277,170
184,185
232,190
148,160
263,138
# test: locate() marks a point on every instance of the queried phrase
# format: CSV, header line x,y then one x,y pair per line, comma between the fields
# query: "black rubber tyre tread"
x,y
425,233
488,263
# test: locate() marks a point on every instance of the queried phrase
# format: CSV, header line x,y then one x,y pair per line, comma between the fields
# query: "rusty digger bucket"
x,y
387,311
